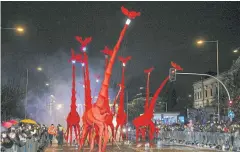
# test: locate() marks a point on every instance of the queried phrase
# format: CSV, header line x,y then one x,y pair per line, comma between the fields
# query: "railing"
x,y
32,145
202,139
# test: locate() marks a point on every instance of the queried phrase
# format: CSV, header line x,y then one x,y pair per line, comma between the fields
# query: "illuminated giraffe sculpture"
x,y
87,85
73,118
146,118
116,98
109,118
121,115
143,129
97,114
148,72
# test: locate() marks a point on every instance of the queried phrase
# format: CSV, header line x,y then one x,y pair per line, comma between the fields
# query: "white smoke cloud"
x,y
59,71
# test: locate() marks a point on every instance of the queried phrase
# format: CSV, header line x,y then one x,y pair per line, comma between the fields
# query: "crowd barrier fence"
x,y
32,145
202,138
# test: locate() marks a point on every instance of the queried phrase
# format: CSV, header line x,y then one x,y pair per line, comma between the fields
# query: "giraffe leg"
x,y
90,136
71,135
151,131
137,135
92,139
101,129
112,130
121,134
106,137
84,134
76,135
97,134
67,133
116,131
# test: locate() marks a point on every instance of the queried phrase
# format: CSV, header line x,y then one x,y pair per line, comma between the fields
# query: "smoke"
x,y
59,72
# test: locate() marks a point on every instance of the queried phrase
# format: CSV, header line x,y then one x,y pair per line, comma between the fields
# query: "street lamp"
x,y
59,106
236,50
39,69
26,92
200,42
18,29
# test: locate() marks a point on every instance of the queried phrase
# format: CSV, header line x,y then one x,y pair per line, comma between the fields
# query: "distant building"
x,y
205,91
159,107
166,117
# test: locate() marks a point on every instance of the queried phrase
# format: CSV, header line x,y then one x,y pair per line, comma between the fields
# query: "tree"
x,y
136,108
174,98
12,101
232,82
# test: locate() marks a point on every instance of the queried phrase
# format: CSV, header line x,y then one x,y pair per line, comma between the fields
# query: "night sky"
x,y
165,31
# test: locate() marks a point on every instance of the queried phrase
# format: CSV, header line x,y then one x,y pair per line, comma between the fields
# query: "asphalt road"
x,y
125,148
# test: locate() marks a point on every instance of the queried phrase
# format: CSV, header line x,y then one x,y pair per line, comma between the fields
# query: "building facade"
x,y
205,92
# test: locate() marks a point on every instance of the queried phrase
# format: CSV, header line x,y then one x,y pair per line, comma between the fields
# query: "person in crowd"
x,y
60,134
51,132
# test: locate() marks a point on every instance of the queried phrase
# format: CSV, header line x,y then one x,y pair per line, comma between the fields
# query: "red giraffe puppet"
x,y
97,78
146,118
116,98
121,115
87,85
109,118
97,114
73,118
148,72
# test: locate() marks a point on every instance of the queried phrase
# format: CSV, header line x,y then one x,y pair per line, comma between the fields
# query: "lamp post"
x,y
26,97
216,41
237,50
166,106
26,89
18,29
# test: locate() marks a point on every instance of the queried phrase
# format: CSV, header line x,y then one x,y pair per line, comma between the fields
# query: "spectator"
x,y
51,133
60,135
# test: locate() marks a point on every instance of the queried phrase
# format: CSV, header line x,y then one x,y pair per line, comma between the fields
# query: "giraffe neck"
x,y
87,83
73,98
104,88
154,99
122,95
147,93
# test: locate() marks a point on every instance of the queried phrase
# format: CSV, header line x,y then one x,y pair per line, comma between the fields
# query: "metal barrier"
x,y
31,145
202,139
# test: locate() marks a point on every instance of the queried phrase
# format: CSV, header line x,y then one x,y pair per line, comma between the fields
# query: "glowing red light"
x,y
230,102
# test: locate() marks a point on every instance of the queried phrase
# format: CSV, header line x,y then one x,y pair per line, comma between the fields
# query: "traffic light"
x,y
230,103
172,74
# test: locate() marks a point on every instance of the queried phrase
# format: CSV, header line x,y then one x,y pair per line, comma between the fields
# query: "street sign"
x,y
231,114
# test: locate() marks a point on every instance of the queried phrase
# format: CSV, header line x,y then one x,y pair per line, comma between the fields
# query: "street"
x,y
125,148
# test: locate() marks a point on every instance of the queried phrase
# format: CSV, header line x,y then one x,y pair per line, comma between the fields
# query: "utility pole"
x,y
26,97
166,107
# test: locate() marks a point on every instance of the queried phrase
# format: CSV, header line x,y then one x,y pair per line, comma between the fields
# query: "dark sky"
x,y
166,31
